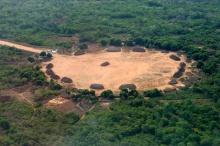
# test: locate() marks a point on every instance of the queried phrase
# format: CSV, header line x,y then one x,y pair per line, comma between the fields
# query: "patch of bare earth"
x,y
64,105
151,69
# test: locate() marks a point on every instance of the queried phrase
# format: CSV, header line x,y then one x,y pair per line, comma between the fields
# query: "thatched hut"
x,y
178,74
172,82
77,53
113,50
128,86
105,63
46,59
182,64
97,86
55,77
49,66
66,80
174,57
49,72
164,51
138,49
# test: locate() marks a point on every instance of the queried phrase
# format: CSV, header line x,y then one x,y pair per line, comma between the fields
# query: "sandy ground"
x,y
146,70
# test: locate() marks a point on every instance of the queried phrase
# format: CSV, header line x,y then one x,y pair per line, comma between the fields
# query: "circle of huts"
x,y
105,63
113,50
66,80
97,86
174,57
138,49
128,86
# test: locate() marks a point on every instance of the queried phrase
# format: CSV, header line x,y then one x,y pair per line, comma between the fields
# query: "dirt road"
x,y
22,47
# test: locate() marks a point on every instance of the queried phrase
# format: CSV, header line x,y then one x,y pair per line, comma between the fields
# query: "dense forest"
x,y
190,116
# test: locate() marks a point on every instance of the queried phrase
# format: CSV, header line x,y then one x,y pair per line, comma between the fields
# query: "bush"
x,y
4,124
31,59
103,42
43,54
49,55
153,93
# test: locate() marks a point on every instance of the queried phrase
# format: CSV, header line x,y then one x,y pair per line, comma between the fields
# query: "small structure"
x,y
52,51
49,66
49,72
138,49
174,57
113,50
97,86
55,77
172,82
105,63
164,51
128,86
66,80
182,64
178,74
77,53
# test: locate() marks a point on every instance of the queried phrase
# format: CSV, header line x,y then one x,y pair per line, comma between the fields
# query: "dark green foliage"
x,y
43,54
4,124
31,59
103,42
83,46
107,94
24,127
11,60
85,94
115,42
54,86
150,122
153,93
49,55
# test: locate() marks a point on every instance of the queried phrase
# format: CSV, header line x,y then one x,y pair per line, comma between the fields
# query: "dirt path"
x,y
22,47
32,105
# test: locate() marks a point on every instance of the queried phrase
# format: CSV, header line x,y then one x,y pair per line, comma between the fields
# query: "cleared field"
x,y
146,70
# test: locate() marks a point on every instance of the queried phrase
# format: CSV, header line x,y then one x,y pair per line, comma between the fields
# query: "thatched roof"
x,y
188,60
105,63
172,82
182,64
128,86
174,57
97,86
79,53
113,50
178,74
164,51
46,59
49,66
66,80
181,69
50,72
139,50
55,77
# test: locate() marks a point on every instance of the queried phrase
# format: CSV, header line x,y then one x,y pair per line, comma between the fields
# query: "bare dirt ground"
x,y
151,69
64,105
146,70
